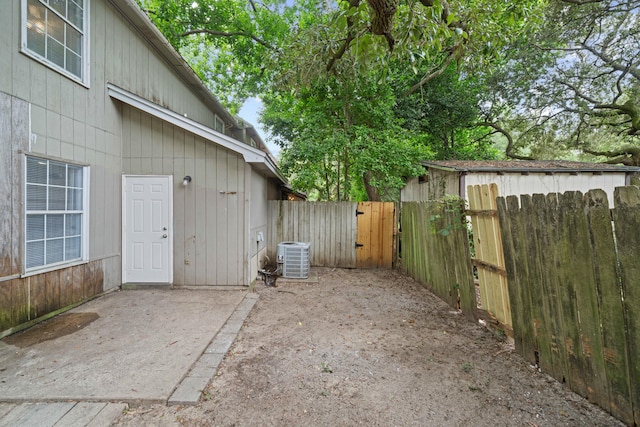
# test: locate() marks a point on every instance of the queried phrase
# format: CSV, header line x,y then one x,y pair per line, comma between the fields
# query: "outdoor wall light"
x,y
186,180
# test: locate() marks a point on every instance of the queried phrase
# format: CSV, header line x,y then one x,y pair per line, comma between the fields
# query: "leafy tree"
x,y
327,73
444,113
341,138
232,45
578,84
240,47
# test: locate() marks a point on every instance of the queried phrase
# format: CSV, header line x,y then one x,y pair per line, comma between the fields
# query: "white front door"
x,y
147,234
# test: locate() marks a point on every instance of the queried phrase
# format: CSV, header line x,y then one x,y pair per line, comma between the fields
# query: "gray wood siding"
x,y
44,113
83,125
72,123
126,60
208,214
259,211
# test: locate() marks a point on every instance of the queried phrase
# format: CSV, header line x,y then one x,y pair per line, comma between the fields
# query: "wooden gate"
x,y
489,258
341,234
375,237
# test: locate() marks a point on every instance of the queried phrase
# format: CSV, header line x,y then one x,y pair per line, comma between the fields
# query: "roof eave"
x,y
132,12
258,159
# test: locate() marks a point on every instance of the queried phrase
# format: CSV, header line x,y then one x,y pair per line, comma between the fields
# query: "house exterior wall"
x,y
58,119
434,185
259,221
126,60
208,214
46,114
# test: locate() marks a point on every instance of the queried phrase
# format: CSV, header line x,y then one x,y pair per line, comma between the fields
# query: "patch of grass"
x,y
467,367
324,367
502,335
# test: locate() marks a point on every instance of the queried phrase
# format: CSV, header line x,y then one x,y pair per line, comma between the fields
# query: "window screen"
x,y
54,212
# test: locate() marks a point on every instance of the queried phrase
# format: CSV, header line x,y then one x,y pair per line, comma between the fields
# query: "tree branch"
x,y
509,150
634,71
576,90
229,34
629,155
581,2
455,53
351,35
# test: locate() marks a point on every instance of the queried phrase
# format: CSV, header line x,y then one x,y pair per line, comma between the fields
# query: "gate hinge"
x,y
359,245
359,212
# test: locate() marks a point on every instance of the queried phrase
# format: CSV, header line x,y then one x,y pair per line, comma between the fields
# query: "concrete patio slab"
x,y
137,347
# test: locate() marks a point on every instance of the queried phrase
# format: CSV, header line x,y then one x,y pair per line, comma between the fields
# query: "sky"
x,y
250,112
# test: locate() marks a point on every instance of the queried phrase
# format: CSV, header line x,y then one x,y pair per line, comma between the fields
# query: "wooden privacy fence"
x,y
489,260
341,234
435,251
574,287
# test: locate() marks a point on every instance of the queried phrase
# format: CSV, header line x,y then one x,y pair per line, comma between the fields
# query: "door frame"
x,y
169,220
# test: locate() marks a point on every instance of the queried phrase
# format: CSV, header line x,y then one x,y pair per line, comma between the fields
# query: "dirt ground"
x,y
371,348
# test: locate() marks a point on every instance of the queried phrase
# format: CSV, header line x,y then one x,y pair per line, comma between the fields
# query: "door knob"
x,y
164,236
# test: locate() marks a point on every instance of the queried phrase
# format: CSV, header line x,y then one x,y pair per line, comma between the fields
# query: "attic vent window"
x,y
218,124
54,33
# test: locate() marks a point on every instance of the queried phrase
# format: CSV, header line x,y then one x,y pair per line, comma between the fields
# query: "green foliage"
x,y
335,132
445,113
576,88
353,116
232,45
452,208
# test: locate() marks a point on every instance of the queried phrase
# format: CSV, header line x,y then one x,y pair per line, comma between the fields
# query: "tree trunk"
x,y
372,192
382,13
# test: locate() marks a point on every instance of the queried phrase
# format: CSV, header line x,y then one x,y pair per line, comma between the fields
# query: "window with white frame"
x,y
218,124
55,212
55,34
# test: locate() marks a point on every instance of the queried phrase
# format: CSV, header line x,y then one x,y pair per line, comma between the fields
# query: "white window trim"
x,y
218,121
84,81
84,257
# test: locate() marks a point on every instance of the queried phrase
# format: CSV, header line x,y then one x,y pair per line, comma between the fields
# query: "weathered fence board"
x,y
534,243
333,229
489,259
611,306
330,228
435,251
553,359
627,232
575,303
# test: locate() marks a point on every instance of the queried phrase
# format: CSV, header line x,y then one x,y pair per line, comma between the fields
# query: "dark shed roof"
x,y
519,166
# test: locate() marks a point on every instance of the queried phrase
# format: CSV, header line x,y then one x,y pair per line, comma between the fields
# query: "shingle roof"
x,y
518,166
